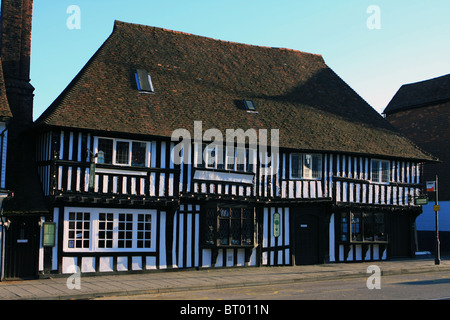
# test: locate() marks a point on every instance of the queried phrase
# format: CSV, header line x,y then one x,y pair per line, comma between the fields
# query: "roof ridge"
x,y
119,24
427,80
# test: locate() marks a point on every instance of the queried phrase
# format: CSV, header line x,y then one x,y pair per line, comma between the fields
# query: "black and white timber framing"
x,y
167,209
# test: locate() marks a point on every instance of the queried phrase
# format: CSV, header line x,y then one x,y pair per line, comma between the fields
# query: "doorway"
x,y
306,239
21,248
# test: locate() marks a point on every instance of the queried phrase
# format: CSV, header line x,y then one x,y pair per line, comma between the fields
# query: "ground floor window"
x,y
89,229
79,230
362,226
229,226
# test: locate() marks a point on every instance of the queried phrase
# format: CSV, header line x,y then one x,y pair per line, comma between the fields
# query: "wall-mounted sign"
x,y
431,186
49,231
276,224
421,201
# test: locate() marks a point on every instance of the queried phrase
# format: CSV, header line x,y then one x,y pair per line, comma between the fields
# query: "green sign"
x,y
276,224
421,201
49,234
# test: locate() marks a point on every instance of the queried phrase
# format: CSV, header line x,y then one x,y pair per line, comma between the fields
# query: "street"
x,y
423,286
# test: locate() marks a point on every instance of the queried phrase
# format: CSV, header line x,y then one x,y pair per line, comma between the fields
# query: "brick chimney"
x,y
15,51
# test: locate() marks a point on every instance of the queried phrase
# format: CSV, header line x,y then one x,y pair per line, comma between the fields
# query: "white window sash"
x,y
94,230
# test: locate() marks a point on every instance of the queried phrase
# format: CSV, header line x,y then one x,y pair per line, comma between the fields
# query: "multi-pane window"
x,y
125,234
362,226
79,226
356,226
105,230
380,171
306,166
122,152
112,229
224,157
144,234
344,226
373,225
229,226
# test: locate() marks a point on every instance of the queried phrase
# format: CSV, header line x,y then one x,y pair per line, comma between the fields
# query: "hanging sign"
x,y
431,186
276,224
91,176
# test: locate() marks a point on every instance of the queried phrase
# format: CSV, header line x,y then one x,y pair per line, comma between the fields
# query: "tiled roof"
x,y
198,78
5,111
420,94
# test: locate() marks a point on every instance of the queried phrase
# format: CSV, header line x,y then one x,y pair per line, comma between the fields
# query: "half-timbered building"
x,y
342,188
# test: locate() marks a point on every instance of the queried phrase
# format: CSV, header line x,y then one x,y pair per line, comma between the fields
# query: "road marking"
x,y
339,290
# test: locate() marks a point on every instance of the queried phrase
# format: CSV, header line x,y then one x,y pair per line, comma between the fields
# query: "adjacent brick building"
x,y
421,111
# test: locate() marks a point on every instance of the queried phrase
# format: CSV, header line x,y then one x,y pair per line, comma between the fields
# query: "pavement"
x,y
71,287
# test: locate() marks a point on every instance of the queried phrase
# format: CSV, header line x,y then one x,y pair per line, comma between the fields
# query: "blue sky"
x,y
411,45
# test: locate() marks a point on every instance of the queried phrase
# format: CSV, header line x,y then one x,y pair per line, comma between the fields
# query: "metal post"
x,y
437,260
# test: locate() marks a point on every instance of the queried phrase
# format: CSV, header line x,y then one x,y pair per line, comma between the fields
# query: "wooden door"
x,y
21,248
306,239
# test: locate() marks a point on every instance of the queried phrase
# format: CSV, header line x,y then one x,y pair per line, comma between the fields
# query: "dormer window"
x,y
144,81
249,105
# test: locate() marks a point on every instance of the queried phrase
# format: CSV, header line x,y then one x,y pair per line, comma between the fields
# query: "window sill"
x,y
305,179
223,246
364,242
380,183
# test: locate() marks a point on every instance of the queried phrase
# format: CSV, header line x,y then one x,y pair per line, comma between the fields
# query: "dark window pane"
x,y
138,154
122,152
105,147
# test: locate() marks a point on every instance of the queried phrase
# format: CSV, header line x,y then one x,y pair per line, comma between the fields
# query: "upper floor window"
x,y
380,171
306,166
122,152
225,158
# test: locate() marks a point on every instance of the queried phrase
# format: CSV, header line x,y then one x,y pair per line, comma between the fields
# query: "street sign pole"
x,y
437,260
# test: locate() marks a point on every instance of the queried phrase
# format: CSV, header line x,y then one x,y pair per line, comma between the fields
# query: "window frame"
x,y
358,226
214,220
378,164
227,164
303,160
114,154
144,73
94,230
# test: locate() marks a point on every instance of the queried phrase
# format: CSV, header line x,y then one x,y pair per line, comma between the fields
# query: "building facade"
x,y
421,111
23,204
334,184
5,116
